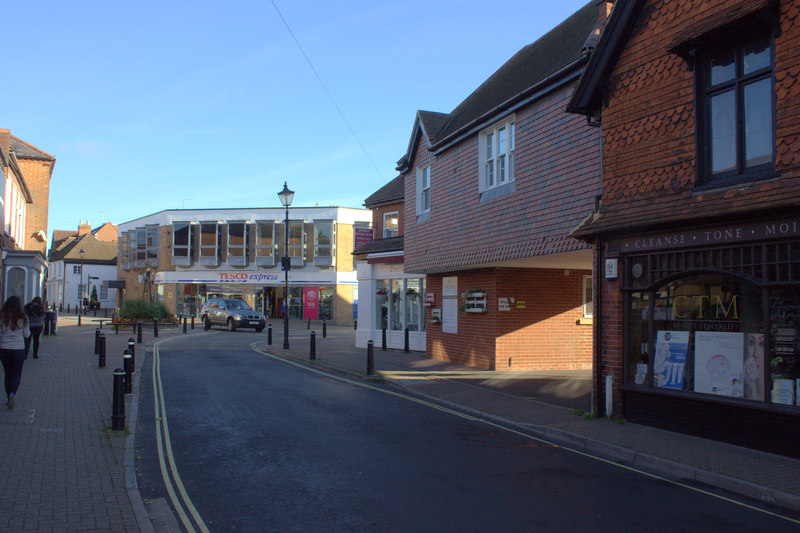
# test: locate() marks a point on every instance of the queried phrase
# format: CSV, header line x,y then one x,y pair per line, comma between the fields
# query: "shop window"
x,y
413,299
326,303
784,349
237,244
265,243
737,113
382,304
324,238
209,244
695,337
182,244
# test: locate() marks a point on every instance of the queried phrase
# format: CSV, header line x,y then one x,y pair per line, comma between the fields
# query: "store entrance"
x,y
265,302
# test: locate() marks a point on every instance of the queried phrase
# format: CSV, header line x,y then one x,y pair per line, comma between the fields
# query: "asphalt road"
x,y
263,445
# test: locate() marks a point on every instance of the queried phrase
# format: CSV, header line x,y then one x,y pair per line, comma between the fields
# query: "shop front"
x,y
310,296
710,331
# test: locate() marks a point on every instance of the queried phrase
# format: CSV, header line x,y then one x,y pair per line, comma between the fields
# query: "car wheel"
x,y
259,330
231,327
206,323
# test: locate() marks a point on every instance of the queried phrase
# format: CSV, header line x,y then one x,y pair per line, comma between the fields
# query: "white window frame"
x,y
423,190
588,303
496,157
396,232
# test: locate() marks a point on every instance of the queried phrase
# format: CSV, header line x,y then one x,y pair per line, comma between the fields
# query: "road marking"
x,y
165,444
255,348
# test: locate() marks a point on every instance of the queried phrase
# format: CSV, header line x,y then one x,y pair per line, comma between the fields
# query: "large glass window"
x,y
181,232
237,242
738,111
382,304
265,239
209,243
323,239
141,247
413,301
296,240
152,244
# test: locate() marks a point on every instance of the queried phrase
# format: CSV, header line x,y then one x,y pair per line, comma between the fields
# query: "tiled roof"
x,y
25,150
391,244
392,192
94,251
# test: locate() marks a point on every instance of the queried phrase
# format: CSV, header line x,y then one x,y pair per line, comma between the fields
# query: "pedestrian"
x,y
13,332
35,312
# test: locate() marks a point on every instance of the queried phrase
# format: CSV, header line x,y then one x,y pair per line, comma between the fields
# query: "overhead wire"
x,y
325,88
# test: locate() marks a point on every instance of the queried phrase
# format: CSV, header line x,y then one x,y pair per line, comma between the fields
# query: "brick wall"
x,y
37,176
377,218
540,331
556,180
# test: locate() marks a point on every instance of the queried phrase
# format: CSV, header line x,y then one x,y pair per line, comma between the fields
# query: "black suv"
x,y
232,313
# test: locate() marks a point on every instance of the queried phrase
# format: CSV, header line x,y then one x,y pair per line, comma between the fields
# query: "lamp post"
x,y
286,197
80,284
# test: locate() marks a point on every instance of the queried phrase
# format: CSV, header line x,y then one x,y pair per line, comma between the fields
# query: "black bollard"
x,y
128,364
118,407
61,308
184,325
383,339
132,348
97,341
355,324
116,328
309,323
101,361
324,329
269,335
155,328
192,321
139,332
95,311
370,358
79,319
67,308
405,345
312,354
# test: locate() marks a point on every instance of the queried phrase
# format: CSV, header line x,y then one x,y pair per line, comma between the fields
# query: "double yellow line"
x,y
172,480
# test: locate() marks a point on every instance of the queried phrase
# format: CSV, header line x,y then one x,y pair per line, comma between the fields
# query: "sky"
x,y
155,105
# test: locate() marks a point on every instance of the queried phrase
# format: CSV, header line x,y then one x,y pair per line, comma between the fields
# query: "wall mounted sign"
x,y
502,304
612,266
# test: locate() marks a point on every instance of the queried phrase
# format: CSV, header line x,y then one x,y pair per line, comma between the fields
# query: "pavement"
x,y
65,469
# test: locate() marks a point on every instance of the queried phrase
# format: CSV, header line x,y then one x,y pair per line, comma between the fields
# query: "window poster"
x,y
670,361
719,363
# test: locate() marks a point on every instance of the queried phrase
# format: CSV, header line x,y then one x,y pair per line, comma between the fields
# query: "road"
x,y
259,444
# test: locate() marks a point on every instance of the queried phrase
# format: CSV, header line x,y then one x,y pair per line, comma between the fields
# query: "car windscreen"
x,y
237,304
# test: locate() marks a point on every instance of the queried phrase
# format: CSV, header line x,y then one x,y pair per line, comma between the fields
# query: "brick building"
x,y
391,298
182,257
491,191
697,234
26,172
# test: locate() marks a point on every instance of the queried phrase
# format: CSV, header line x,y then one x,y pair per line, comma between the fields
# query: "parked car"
x,y
232,313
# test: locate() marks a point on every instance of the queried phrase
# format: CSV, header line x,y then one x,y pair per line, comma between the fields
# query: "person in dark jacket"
x,y
13,332
35,312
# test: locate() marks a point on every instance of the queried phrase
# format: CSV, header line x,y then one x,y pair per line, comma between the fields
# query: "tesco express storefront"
x,y
329,296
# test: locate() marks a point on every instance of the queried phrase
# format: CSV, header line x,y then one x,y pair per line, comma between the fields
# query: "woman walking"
x,y
13,332
35,312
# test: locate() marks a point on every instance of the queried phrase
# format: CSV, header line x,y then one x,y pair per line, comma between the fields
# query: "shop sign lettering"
x,y
705,307
727,234
245,277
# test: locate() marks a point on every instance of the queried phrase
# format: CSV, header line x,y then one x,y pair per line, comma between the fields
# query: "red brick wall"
x,y
377,218
649,142
556,180
37,176
544,334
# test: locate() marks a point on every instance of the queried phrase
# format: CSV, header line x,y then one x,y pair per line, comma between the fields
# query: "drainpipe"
x,y
598,325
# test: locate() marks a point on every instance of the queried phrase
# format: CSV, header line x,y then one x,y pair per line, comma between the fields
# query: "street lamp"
x,y
286,197
80,284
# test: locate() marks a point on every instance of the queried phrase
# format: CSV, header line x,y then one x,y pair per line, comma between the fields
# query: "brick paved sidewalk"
x,y
63,469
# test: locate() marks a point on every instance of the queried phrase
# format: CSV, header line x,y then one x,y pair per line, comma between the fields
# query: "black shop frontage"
x,y
710,331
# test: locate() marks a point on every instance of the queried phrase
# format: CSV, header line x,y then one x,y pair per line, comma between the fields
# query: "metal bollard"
x,y
128,364
324,329
269,335
132,348
97,341
79,319
383,339
101,361
355,324
155,328
118,407
192,321
67,308
309,323
95,311
312,354
139,332
405,345
370,358
184,325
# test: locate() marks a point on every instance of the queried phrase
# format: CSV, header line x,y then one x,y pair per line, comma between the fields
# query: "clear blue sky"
x,y
161,105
